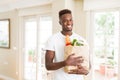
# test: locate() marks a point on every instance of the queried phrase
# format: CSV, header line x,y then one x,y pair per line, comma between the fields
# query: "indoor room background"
x,y
25,26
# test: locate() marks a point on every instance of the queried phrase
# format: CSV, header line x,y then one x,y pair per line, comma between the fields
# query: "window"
x,y
35,29
45,31
105,45
30,47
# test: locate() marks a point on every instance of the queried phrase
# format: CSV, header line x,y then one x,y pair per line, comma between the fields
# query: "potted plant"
x,y
111,68
31,54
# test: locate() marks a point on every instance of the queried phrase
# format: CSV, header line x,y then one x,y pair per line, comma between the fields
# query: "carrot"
x,y
68,42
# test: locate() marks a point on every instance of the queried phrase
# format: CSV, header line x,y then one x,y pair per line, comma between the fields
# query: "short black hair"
x,y
64,11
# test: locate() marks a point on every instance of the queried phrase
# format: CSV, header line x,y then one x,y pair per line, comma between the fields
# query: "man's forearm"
x,y
55,66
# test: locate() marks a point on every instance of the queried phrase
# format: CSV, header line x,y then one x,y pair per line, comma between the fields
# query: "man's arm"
x,y
70,61
50,65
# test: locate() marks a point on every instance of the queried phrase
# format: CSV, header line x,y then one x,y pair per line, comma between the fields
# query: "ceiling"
x,y
7,5
6,2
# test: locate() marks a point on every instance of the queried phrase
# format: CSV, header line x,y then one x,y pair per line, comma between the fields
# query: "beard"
x,y
69,28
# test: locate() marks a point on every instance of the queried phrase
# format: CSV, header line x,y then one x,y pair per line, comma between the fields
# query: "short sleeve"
x,y
50,44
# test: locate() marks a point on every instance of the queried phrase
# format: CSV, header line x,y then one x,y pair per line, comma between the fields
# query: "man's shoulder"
x,y
78,35
55,35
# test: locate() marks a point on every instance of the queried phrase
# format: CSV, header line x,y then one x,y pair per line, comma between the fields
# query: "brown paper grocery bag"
x,y
79,51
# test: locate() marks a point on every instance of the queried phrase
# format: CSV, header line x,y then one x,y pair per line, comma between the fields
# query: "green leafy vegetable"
x,y
75,42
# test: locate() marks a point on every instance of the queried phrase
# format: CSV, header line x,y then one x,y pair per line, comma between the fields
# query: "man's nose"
x,y
69,22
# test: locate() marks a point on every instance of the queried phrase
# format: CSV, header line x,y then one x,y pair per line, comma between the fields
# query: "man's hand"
x,y
73,61
81,70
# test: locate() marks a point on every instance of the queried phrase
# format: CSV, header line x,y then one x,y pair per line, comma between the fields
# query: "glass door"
x,y
30,44
36,32
106,45
45,31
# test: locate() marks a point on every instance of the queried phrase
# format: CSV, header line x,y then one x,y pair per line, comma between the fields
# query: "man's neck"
x,y
66,33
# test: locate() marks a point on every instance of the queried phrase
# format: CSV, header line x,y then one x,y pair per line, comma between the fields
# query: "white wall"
x,y
101,4
79,18
9,57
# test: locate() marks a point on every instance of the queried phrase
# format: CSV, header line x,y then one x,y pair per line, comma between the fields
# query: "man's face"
x,y
66,22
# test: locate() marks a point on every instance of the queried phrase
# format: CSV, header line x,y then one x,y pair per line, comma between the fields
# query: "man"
x,y
55,51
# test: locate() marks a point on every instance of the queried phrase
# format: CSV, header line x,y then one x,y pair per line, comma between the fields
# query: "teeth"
x,y
69,26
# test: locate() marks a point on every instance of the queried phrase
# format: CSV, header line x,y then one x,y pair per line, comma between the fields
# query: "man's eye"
x,y
64,21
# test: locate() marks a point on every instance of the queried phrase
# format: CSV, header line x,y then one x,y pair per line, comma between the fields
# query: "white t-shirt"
x,y
57,43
